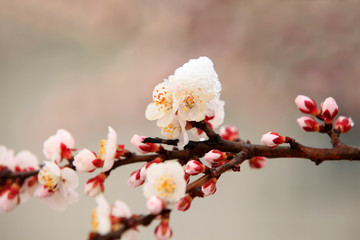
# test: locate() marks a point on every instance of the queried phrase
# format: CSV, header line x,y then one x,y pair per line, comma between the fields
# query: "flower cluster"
x,y
327,113
191,94
17,190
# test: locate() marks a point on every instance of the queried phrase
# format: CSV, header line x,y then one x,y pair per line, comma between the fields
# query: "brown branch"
x,y
133,222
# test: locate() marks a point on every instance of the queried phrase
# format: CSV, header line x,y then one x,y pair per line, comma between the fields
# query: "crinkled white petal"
x,y
6,157
216,108
25,160
168,170
165,120
70,178
184,137
121,209
110,150
173,130
66,138
152,112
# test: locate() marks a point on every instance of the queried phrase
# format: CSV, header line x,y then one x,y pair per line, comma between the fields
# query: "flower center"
x,y
94,220
169,130
162,99
49,179
165,186
102,150
190,101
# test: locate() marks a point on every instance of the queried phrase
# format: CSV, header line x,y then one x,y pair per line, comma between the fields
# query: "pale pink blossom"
x,y
272,139
9,198
155,205
6,157
62,182
329,109
165,180
58,146
161,109
85,161
121,209
25,161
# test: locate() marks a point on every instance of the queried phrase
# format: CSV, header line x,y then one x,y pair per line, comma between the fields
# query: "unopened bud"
x,y
209,188
86,161
308,124
214,156
137,142
343,124
184,203
135,179
94,186
163,231
272,139
155,205
194,167
329,109
306,105
257,162
229,132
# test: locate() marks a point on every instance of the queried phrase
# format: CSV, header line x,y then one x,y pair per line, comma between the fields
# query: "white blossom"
x,y
165,180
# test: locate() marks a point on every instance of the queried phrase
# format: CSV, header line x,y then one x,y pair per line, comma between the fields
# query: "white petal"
x,y
152,112
165,120
70,177
25,159
66,138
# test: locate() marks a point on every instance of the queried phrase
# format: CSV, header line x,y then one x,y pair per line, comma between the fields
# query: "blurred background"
x,y
85,65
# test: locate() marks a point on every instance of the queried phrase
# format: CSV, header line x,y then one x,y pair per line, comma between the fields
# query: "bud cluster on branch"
x,y
183,166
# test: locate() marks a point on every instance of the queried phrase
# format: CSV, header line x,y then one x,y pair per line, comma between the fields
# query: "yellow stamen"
x,y
165,186
102,149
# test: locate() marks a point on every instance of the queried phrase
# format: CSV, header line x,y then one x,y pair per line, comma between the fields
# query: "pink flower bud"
x,y
163,231
137,142
85,161
344,124
95,186
184,203
272,139
214,156
209,188
155,205
135,179
194,167
306,105
308,124
9,198
257,162
329,109
229,132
